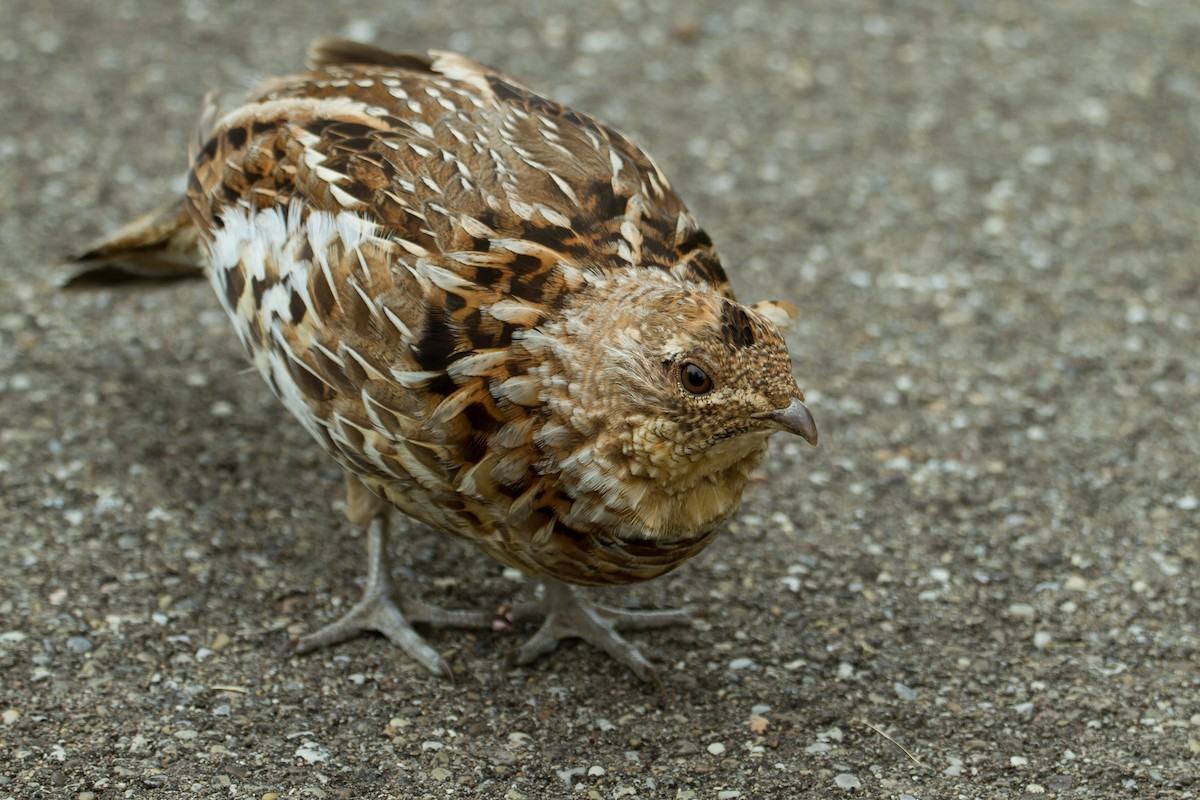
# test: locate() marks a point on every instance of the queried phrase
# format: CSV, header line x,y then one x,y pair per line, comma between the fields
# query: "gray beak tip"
x,y
796,419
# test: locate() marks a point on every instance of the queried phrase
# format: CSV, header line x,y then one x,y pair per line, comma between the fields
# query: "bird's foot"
x,y
568,614
378,612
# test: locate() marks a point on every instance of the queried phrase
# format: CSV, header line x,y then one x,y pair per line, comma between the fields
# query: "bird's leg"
x,y
569,614
377,611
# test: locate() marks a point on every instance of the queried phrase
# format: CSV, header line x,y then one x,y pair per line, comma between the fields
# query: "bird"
x,y
495,314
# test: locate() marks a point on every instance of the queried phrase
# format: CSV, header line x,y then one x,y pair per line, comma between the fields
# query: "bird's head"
x,y
710,380
675,390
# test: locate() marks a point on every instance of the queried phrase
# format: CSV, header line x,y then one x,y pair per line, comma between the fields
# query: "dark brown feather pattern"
x,y
480,302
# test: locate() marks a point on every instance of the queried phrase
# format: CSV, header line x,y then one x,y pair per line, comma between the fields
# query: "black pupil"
x,y
695,379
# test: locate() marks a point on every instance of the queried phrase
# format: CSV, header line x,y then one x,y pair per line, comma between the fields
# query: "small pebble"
x,y
1035,788
716,749
1021,610
847,781
312,752
568,776
1019,761
741,663
904,693
595,771
728,794
79,644
186,735
10,716
1042,640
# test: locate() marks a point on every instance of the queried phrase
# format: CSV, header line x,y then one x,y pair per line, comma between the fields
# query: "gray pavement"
x,y
982,584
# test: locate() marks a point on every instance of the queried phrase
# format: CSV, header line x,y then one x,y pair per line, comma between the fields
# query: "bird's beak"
x,y
796,419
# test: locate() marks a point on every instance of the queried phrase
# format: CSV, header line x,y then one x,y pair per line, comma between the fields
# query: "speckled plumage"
x,y
485,307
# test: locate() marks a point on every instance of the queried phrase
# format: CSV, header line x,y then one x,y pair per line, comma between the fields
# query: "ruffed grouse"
x,y
494,313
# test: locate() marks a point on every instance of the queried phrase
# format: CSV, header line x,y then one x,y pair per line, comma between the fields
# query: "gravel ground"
x,y
982,584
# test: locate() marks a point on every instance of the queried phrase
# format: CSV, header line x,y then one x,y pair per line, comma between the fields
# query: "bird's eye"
x,y
695,379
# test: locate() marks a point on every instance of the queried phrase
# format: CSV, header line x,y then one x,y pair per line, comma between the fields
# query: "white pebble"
x,y
567,775
1035,788
716,749
847,781
1075,583
312,752
741,663
1042,640
595,770
1022,610
1019,761
1188,503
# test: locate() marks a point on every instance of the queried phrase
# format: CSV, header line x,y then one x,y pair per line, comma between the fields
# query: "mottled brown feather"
x,y
478,301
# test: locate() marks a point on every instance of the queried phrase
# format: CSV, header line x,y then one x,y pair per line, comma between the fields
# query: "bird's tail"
x,y
160,246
